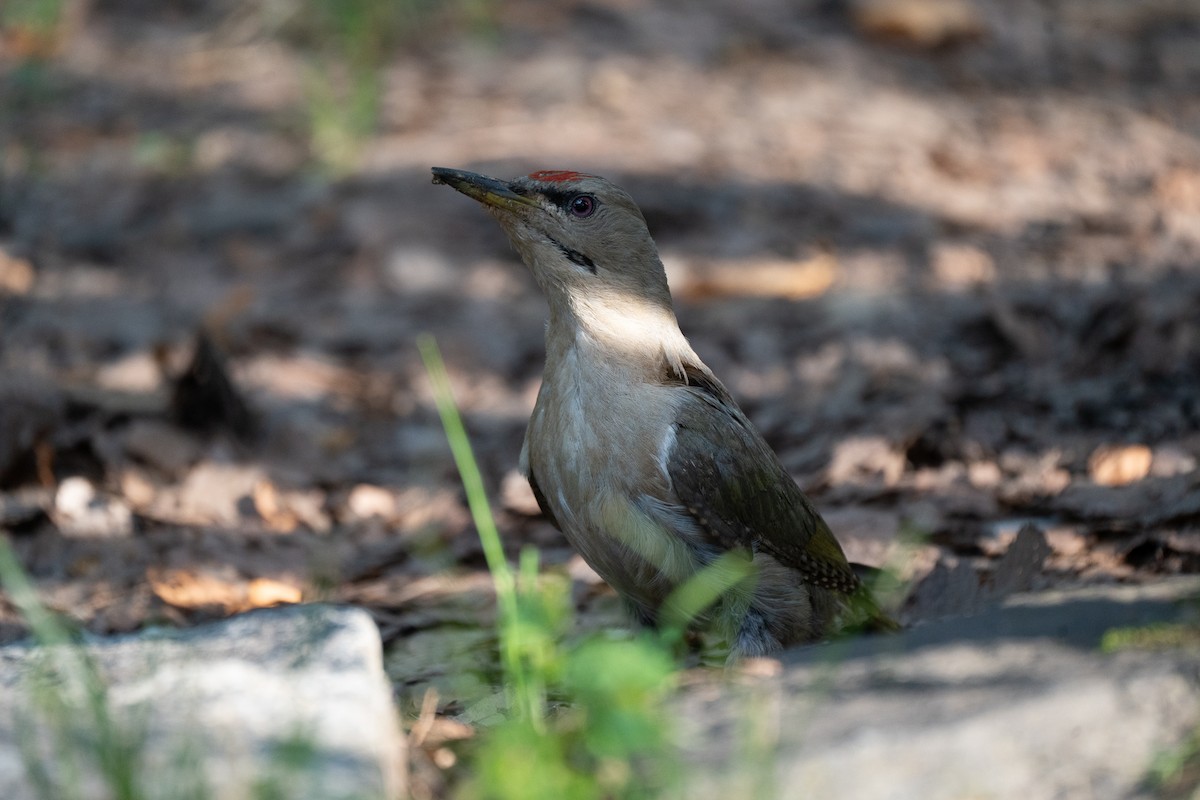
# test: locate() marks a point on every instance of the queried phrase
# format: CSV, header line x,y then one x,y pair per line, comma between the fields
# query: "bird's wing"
x,y
541,499
538,494
730,481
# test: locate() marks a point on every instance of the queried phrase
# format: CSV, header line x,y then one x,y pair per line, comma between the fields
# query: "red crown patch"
x,y
555,175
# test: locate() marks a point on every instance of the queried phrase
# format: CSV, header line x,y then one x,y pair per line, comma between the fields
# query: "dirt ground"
x,y
946,254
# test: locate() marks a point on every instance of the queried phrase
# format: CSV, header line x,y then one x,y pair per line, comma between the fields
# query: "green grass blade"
x,y
522,687
700,591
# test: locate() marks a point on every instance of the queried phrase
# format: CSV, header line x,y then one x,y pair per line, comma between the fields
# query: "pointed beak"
x,y
488,191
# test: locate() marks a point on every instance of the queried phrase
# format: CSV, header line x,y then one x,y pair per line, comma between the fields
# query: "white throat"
x,y
626,329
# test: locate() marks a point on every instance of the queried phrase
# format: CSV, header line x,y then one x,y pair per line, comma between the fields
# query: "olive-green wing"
x,y
730,481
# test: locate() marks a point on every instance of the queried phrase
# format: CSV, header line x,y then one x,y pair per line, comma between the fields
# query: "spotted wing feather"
x,y
731,482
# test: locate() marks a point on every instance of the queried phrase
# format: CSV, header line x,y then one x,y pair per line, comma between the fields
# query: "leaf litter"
x,y
967,327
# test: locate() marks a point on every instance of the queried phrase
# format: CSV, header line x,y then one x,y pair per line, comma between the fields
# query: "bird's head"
x,y
584,238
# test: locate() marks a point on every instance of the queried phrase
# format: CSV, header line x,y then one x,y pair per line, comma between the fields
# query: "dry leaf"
x,y
863,459
194,591
959,266
1067,540
264,592
184,588
867,534
16,275
1118,465
445,729
211,494
919,23
760,668
272,509
366,501
793,280
431,730
136,488
1179,190
421,727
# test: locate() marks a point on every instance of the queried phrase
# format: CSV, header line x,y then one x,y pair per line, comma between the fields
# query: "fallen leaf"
x,y
791,279
197,590
867,535
366,501
919,23
760,668
445,729
1067,540
1035,476
862,459
136,372
1170,460
271,508
264,592
16,275
431,730
211,494
959,266
203,590
1179,190
136,488
1118,465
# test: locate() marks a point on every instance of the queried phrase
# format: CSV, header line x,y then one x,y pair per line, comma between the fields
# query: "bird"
x,y
636,451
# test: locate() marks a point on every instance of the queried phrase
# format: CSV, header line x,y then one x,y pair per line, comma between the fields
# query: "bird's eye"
x,y
582,205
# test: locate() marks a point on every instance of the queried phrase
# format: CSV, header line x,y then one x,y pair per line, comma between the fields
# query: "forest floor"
x,y
946,255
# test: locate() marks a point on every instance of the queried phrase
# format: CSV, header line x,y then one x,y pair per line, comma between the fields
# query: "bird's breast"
x,y
600,428
596,446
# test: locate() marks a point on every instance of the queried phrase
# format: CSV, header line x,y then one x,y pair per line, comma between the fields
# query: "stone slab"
x,y
293,699
1018,701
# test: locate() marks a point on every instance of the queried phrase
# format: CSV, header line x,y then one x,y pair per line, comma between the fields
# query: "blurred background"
x,y
945,252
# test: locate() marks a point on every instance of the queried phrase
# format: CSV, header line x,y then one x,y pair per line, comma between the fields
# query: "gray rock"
x,y
294,699
1015,702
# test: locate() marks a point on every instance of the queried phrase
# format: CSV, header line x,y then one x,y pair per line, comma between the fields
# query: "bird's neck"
x,y
623,333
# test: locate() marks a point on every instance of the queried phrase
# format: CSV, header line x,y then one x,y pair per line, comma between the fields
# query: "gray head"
x,y
584,238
